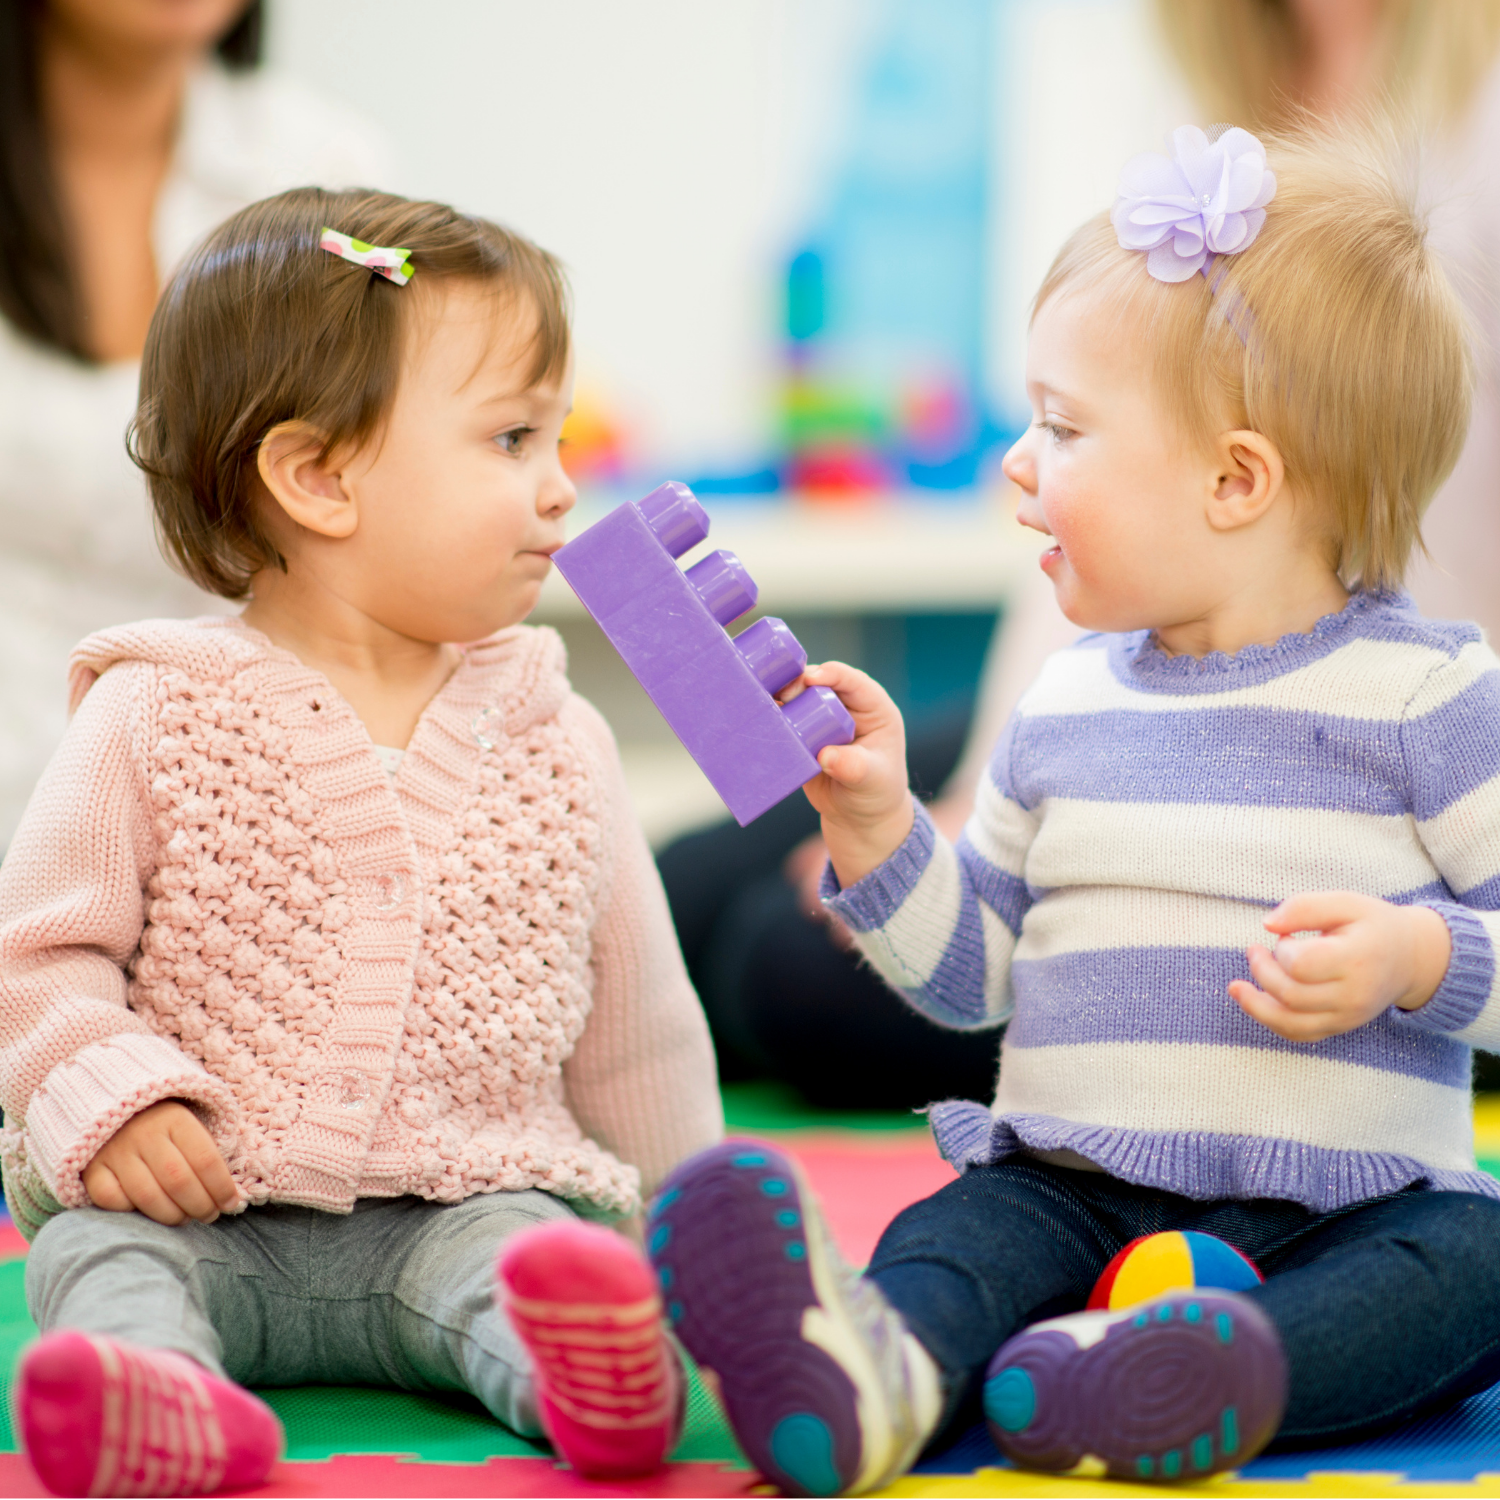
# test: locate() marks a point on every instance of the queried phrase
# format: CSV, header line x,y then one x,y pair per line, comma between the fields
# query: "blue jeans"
x,y
1387,1309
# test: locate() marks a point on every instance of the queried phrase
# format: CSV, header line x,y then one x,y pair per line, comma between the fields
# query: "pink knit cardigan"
x,y
465,982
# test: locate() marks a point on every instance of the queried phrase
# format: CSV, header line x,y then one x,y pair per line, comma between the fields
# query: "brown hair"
x,y
1355,361
1240,56
260,326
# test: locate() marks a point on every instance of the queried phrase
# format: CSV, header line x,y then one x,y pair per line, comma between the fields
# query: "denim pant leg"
x,y
1386,1311
124,1275
1003,1247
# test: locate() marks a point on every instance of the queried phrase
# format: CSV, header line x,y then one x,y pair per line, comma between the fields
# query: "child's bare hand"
x,y
861,791
165,1164
1368,955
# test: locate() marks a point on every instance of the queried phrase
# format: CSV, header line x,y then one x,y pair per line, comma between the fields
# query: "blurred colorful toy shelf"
x,y
864,1169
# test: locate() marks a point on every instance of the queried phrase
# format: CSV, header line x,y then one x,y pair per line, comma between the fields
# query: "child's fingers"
x,y
179,1181
1280,985
197,1147
1317,960
846,764
1317,911
104,1189
138,1183
1274,1016
857,691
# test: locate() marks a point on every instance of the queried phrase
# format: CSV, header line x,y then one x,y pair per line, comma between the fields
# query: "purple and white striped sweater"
x,y
1140,815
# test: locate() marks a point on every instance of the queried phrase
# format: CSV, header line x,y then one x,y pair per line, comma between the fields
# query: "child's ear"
x,y
1248,478
307,486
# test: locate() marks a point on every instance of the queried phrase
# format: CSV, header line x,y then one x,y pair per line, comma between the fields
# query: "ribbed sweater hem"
x,y
871,903
86,1098
1198,1164
1471,972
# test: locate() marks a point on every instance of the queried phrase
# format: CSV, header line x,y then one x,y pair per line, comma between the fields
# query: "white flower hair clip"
x,y
1208,198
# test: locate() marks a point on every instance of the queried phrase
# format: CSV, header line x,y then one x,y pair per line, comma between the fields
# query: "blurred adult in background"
x,y
128,128
781,989
1433,62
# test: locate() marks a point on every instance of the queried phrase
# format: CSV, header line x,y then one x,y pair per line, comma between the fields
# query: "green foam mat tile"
x,y
764,1105
323,1421
16,1331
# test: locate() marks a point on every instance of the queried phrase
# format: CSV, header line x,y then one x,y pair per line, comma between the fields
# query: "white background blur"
x,y
670,150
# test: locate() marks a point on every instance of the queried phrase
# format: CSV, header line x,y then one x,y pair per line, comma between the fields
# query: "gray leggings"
x,y
398,1293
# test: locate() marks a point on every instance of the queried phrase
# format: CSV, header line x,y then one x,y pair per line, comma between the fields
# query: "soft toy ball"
x,y
1178,1260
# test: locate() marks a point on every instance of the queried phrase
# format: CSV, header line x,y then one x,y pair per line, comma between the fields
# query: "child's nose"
x,y
558,494
1018,467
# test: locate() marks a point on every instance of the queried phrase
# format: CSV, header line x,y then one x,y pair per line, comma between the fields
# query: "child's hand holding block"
x,y
717,694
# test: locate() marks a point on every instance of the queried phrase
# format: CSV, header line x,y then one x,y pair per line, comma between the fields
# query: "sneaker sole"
x,y
1188,1386
740,1259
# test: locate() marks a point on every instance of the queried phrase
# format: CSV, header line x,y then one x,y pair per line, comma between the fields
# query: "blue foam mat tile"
x,y
973,1450
1460,1444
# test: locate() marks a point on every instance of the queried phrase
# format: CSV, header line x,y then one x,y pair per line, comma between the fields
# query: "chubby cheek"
x,y
1100,574
1081,527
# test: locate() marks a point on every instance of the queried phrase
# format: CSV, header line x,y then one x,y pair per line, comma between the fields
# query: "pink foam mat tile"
x,y
862,1185
378,1475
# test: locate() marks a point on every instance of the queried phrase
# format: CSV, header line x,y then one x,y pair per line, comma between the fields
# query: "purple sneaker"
x,y
826,1390
1176,1388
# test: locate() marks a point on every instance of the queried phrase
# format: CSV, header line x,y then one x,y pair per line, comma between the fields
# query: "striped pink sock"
x,y
585,1304
101,1417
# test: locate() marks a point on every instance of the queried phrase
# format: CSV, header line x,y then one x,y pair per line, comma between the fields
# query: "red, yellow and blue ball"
x,y
1179,1260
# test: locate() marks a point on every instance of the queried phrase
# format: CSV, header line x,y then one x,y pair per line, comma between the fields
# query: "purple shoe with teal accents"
x,y
1176,1388
824,1386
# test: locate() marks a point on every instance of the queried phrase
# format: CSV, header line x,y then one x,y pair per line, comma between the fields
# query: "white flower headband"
x,y
1208,199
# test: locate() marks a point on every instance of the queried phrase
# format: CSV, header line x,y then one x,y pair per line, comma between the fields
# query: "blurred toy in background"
x,y
669,626
1177,1260
883,366
595,445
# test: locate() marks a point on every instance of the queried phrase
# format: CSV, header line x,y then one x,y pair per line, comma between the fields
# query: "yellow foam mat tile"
x,y
1014,1482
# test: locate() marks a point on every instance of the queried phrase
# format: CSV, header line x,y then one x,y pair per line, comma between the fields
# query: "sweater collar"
x,y
1138,660
521,671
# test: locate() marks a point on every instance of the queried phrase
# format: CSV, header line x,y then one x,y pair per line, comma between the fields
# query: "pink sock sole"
x,y
584,1302
102,1417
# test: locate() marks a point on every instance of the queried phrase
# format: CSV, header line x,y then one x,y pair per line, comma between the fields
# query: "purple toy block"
x,y
715,693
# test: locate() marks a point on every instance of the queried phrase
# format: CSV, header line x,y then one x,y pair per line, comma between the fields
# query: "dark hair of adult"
x,y
38,289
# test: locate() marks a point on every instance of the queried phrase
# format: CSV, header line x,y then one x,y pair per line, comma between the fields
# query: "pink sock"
x,y
585,1304
101,1417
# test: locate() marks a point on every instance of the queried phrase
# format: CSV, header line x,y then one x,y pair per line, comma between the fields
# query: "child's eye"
x,y
512,441
1058,434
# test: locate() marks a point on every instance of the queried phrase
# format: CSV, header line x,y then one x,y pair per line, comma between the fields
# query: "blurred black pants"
x,y
782,999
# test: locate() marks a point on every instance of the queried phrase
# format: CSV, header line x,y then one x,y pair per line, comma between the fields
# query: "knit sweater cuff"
x,y
871,903
1458,1000
84,1100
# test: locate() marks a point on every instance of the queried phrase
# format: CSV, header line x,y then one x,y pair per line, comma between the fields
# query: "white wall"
x,y
1086,85
667,150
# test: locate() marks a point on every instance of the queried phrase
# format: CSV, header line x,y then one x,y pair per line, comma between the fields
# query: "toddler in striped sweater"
x,y
1232,880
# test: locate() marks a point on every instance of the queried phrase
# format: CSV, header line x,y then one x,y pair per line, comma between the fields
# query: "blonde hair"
x,y
1355,360
1240,56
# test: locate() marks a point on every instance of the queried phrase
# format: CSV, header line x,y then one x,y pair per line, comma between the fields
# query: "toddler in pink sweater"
x,y
332,962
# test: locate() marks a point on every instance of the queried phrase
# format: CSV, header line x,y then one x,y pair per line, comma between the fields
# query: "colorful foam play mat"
x,y
864,1168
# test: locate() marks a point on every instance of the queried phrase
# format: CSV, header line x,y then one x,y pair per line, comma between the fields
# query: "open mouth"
x,y
1049,557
